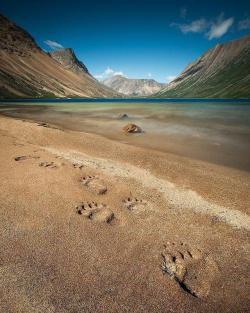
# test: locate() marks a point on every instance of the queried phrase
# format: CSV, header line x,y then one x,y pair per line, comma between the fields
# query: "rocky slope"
x,y
27,71
221,72
133,87
68,59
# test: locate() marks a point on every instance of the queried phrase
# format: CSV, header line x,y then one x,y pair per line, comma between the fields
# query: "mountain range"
x,y
29,72
221,72
133,87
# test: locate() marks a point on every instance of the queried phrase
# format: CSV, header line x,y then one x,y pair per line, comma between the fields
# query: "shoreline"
x,y
208,138
67,99
182,199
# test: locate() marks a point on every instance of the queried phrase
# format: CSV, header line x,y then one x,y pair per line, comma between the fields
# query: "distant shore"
x,y
124,99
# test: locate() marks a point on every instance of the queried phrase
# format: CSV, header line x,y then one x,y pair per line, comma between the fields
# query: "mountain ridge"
x,y
132,86
220,72
28,72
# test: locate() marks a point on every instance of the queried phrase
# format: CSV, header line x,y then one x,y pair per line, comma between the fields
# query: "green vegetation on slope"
x,y
232,81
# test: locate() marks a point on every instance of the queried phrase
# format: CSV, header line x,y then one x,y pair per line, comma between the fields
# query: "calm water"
x,y
214,131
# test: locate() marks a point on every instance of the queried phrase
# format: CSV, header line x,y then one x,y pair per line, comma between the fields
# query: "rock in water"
x,y
132,128
123,116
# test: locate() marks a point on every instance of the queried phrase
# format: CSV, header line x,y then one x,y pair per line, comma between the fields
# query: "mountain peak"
x,y
133,87
27,71
68,59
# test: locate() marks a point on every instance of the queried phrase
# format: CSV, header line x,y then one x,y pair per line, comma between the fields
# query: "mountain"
x,y
27,71
68,59
221,72
133,87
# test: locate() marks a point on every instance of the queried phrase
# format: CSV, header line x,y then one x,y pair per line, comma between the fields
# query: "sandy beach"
x,y
89,224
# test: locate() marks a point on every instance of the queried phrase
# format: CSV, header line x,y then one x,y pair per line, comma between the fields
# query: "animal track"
x,y
59,157
94,184
77,165
46,125
96,212
25,157
43,124
21,158
193,270
48,164
134,204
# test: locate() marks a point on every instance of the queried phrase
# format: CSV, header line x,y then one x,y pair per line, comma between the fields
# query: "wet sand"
x,y
89,224
217,133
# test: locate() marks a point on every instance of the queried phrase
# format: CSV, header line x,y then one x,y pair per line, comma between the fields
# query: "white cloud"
x,y
170,78
98,76
211,28
197,26
220,27
244,24
149,75
109,72
183,12
53,44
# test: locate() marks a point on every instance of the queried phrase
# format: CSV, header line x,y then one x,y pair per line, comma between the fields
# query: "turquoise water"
x,y
217,131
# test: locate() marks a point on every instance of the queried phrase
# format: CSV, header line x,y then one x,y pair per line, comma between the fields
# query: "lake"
x,y
216,131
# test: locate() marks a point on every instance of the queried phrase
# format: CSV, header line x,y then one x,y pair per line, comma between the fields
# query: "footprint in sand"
x,y
46,125
96,212
21,158
77,165
94,184
59,157
43,124
134,204
48,164
25,157
193,270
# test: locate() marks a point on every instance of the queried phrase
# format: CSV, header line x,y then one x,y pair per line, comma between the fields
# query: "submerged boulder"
x,y
123,116
132,128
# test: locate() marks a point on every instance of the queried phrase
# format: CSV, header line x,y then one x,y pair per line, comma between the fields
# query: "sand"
x,y
88,224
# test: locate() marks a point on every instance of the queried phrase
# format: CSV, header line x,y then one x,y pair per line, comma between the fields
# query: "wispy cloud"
x,y
197,26
109,72
211,28
149,75
220,27
244,24
170,78
53,44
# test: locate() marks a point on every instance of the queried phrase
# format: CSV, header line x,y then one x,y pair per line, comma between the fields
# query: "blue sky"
x,y
139,39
